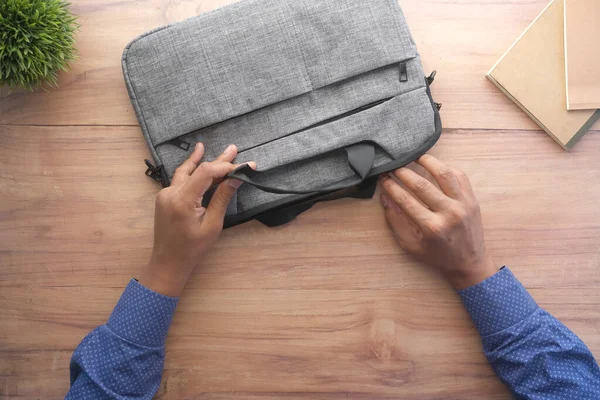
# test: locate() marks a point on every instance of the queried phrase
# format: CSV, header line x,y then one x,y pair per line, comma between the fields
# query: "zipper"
x,y
403,71
154,172
344,115
182,144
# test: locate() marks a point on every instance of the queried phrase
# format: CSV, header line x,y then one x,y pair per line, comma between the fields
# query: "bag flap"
x,y
254,53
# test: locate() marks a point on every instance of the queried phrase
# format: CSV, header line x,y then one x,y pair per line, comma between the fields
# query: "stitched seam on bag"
x,y
131,85
301,51
135,98
202,15
129,80
153,31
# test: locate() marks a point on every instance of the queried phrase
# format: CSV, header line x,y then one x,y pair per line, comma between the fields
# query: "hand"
x,y
183,229
441,227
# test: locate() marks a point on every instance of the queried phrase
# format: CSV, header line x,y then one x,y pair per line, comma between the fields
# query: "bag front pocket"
x,y
315,157
291,116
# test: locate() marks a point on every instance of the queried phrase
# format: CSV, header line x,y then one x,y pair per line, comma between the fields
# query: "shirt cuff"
x,y
498,303
142,316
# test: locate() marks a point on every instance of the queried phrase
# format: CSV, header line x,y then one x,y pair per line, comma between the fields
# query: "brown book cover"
x,y
582,41
532,74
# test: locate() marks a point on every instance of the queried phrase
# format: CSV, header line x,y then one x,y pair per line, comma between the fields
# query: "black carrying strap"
x,y
283,215
360,159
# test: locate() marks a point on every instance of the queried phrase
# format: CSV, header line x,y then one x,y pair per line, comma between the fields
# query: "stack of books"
x,y
552,71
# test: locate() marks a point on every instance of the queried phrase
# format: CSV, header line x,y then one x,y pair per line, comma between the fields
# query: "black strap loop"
x,y
360,158
431,77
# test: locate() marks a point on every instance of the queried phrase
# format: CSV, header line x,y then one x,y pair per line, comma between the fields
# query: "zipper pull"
x,y
153,171
431,77
403,72
182,144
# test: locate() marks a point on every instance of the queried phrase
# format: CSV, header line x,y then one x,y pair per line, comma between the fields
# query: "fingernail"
x,y
198,145
384,200
234,183
252,165
229,148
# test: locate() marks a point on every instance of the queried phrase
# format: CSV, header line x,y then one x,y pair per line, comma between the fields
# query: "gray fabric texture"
x,y
281,119
261,73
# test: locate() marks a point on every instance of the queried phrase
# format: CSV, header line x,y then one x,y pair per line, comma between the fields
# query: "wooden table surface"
x,y
326,307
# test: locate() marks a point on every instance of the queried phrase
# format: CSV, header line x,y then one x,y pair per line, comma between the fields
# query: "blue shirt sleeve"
x,y
124,358
531,351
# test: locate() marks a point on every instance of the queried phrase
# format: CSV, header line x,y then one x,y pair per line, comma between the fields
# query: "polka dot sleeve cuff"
x,y
532,352
498,302
142,316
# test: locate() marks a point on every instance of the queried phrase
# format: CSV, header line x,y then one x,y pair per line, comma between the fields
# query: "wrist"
x,y
473,273
163,278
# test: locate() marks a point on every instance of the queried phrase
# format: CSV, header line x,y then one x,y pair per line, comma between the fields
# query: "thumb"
x,y
215,212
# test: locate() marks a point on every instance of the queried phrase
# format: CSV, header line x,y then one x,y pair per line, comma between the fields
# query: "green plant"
x,y
36,41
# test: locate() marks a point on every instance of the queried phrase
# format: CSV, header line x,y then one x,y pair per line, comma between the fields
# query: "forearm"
x,y
124,358
531,351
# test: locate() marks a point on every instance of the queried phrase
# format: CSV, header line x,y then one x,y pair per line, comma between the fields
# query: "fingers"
x,y
189,166
443,174
229,154
208,173
463,181
406,232
204,176
412,207
185,170
426,191
217,208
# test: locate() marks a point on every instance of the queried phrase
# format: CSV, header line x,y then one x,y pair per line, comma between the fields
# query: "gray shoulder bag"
x,y
324,95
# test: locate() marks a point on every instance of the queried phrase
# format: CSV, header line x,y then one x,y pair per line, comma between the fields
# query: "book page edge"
x,y
586,127
569,105
526,111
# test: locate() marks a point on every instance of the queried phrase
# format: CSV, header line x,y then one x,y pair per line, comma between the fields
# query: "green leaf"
x,y
36,41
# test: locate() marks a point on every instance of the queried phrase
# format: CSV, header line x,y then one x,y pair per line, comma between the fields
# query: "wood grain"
x,y
324,308
340,312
